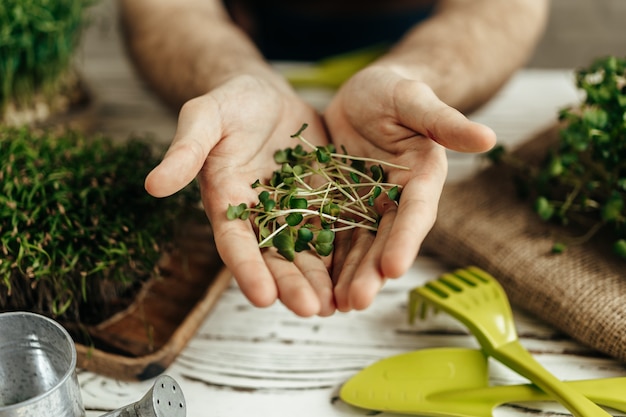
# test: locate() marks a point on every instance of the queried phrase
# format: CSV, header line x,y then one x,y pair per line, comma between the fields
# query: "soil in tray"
x,y
161,306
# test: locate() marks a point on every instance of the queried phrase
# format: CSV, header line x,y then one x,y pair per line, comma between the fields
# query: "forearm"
x,y
185,48
470,48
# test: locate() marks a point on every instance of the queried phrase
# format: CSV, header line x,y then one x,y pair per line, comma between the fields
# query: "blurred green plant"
x,y
78,232
583,181
37,41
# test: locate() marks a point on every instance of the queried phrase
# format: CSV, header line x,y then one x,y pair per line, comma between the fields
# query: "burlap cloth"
x,y
582,292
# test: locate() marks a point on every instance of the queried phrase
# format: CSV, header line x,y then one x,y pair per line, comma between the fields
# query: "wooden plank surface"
x,y
250,362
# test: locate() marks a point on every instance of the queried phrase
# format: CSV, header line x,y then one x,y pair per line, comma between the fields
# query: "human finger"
x,y
238,247
352,253
414,219
420,110
196,134
294,290
367,278
316,272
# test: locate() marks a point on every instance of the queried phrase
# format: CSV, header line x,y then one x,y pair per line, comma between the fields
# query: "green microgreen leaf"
x,y
298,203
332,209
375,194
495,155
377,172
298,170
264,196
559,247
324,249
299,132
323,156
294,219
394,193
276,179
555,166
281,156
286,169
301,245
269,204
325,236
619,248
285,201
358,165
324,242
234,212
284,243
613,208
544,208
305,234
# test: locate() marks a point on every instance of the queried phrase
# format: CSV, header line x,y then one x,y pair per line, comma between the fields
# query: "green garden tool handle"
x,y
516,357
333,71
608,392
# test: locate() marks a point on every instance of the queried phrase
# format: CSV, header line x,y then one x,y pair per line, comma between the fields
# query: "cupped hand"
x,y
227,138
381,114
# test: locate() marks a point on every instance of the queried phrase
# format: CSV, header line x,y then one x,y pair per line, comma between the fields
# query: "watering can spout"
x,y
39,353
164,399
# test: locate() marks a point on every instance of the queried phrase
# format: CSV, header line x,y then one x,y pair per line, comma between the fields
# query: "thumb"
x,y
462,135
195,137
181,164
423,112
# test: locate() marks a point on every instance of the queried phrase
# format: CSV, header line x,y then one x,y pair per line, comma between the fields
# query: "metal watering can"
x,y
38,375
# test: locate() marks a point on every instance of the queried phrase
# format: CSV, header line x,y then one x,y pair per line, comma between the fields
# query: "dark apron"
x,y
286,35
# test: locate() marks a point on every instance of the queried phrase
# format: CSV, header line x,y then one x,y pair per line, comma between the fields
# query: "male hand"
x,y
381,114
227,139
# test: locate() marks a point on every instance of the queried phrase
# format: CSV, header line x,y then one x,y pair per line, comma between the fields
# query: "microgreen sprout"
x,y
315,193
583,181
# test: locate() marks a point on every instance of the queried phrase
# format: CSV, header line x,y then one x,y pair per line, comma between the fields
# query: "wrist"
x,y
260,71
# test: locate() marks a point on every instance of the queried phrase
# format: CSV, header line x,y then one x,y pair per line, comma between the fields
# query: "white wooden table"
x,y
267,362
250,362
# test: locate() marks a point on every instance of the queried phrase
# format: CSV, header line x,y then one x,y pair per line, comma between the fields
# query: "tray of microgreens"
x,y
131,277
79,235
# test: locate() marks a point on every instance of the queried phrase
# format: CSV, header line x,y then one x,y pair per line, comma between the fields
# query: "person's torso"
x,y
311,30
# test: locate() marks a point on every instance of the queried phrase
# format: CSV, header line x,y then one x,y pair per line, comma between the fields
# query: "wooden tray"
x,y
143,340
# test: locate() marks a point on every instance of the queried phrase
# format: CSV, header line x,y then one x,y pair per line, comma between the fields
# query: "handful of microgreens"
x,y
315,193
583,181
